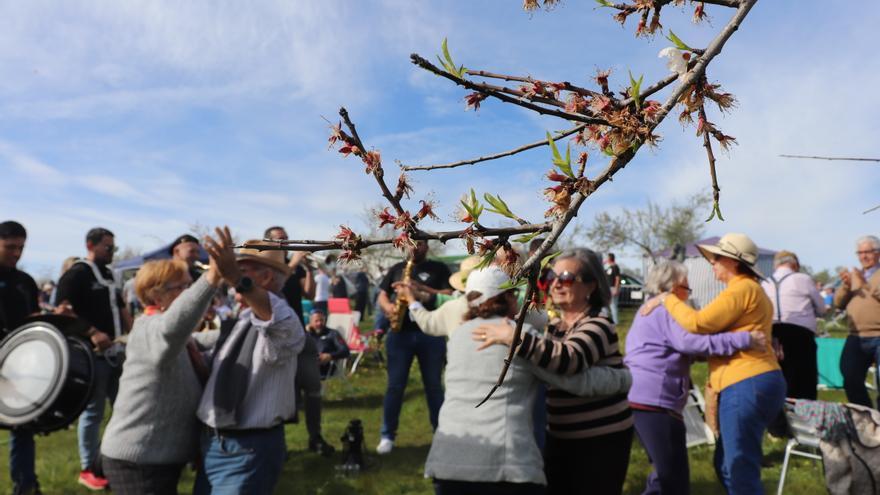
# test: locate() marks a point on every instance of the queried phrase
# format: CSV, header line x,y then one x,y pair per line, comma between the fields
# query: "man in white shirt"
x,y
322,290
796,304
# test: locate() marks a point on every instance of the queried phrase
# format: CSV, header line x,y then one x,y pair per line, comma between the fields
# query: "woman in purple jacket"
x,y
659,354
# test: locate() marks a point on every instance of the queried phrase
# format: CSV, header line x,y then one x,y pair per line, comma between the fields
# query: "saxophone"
x,y
401,304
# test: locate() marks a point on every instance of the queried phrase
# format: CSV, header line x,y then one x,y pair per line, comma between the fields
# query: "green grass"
x,y
402,471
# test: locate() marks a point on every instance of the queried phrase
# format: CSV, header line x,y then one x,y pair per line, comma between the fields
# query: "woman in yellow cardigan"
x,y
750,384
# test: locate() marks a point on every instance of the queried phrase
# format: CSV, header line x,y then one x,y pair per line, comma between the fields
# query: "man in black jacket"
x,y
18,300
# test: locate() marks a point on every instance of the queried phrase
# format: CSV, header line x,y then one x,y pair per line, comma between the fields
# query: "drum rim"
x,y
48,399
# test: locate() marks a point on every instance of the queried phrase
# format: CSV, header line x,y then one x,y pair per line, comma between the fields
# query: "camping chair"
x,y
338,305
804,441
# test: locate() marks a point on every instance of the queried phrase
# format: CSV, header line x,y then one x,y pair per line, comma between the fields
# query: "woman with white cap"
x,y
750,385
491,449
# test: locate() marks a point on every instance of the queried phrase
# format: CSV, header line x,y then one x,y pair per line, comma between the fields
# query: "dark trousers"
x,y
595,466
451,487
401,348
799,361
361,303
22,453
308,387
129,478
664,439
857,356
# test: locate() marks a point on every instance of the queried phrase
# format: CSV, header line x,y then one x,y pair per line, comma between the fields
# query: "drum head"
x,y
33,365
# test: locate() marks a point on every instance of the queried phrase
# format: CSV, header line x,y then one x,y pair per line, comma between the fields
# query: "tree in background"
x,y
652,228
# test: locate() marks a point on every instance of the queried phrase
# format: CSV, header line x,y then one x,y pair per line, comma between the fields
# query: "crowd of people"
x,y
219,357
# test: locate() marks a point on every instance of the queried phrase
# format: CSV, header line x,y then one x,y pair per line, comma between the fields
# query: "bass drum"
x,y
46,377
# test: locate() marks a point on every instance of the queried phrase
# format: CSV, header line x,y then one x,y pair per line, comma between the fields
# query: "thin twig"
x,y
833,158
870,210
496,156
421,62
379,173
517,334
707,143
526,79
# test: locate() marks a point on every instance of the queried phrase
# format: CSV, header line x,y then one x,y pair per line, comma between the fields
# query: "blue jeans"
x,y
401,348
612,305
857,356
744,411
88,432
22,453
247,462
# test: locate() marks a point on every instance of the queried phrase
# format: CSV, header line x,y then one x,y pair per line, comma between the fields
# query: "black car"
x,y
632,293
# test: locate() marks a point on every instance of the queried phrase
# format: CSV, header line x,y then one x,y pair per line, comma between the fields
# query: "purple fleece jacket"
x,y
659,354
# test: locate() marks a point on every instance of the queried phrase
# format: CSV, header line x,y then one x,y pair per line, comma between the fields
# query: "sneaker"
x,y
385,446
91,481
321,447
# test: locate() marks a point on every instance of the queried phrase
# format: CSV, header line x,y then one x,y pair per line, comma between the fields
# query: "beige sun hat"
x,y
457,279
735,246
272,258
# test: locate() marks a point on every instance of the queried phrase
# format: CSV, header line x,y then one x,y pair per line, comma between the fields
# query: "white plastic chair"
x,y
804,443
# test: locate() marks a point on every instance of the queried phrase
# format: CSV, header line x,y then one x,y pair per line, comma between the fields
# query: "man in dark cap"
x,y
186,248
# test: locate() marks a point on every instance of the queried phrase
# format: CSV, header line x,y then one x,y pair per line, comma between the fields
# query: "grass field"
x,y
401,472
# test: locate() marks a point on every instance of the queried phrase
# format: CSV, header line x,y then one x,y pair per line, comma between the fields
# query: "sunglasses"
x,y
685,287
564,279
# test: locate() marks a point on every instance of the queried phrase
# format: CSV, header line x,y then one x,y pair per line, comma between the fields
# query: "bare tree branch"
x,y
833,158
496,156
428,66
707,143
567,85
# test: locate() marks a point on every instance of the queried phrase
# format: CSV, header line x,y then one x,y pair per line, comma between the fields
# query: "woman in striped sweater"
x,y
589,439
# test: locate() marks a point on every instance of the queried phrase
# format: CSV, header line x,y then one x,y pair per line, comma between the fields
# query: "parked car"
x,y
632,291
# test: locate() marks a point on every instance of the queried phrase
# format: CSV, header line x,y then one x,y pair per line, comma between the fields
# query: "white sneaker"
x,y
385,446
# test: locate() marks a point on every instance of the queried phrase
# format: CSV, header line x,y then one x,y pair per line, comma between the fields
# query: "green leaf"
x,y
604,3
634,89
498,206
716,211
447,62
527,237
564,165
677,41
548,258
487,259
514,283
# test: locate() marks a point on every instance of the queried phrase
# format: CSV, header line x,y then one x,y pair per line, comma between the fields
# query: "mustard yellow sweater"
x,y
741,307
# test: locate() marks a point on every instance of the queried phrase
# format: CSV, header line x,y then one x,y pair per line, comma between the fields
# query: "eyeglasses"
x,y
870,251
685,287
564,279
111,248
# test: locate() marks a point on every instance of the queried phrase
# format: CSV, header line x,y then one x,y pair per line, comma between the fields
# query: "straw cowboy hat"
x,y
457,279
271,259
735,246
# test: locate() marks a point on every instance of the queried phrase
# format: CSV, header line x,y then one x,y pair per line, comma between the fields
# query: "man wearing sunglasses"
x,y
89,290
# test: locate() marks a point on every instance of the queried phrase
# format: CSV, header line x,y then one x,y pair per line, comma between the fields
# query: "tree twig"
x,y
379,173
428,66
833,158
567,85
496,156
707,143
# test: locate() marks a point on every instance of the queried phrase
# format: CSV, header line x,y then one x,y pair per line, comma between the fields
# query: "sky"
x,y
148,117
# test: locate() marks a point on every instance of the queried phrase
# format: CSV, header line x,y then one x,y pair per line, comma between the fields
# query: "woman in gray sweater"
x,y
153,432
492,449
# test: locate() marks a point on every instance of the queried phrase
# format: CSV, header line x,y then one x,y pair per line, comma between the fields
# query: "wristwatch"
x,y
244,285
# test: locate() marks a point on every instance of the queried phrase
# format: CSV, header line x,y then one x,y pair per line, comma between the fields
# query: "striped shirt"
x,y
566,350
269,399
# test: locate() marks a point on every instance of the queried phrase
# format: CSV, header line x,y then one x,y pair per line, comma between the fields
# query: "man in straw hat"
x,y
249,392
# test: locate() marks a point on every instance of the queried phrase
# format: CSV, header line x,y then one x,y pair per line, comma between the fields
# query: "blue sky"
x,y
147,117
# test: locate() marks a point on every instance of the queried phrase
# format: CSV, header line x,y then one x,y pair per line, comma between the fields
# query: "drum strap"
x,y
111,290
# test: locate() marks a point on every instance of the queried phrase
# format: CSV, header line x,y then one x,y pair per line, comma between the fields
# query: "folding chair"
x,y
338,305
804,441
